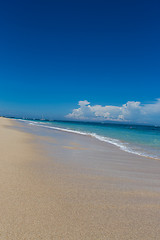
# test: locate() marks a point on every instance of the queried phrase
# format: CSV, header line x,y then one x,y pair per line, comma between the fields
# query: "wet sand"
x,y
58,186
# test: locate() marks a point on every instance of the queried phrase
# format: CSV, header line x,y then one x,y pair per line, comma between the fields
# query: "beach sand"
x,y
71,187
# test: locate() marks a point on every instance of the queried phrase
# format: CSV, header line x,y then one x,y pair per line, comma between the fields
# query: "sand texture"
x,y
44,198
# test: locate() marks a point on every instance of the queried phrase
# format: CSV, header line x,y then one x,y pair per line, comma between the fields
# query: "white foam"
x,y
123,146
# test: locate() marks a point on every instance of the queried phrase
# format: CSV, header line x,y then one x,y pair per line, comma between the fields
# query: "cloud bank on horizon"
x,y
132,111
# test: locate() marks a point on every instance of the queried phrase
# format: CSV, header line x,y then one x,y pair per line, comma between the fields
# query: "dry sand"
x,y
43,199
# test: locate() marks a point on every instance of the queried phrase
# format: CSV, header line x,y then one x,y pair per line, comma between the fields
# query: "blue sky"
x,y
57,53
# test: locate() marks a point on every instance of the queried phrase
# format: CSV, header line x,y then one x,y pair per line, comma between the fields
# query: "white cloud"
x,y
131,111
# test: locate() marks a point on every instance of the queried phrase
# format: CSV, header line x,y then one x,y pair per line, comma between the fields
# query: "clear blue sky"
x,y
55,53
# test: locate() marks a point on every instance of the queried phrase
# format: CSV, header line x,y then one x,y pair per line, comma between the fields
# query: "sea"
x,y
142,140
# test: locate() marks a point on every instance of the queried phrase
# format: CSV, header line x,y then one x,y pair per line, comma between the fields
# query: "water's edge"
x,y
121,145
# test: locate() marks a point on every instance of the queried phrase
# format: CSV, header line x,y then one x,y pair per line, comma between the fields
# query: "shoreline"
x,y
55,186
116,142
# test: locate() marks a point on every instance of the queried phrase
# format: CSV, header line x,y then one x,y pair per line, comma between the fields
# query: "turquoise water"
x,y
138,139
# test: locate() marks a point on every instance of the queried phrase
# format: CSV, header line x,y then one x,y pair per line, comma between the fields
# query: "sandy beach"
x,y
72,187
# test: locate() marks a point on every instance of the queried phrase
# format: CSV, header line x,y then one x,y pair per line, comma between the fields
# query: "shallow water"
x,y
138,139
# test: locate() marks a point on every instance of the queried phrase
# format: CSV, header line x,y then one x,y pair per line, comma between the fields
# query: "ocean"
x,y
137,139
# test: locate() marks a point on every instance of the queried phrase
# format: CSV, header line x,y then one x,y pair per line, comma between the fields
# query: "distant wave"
x,y
123,146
